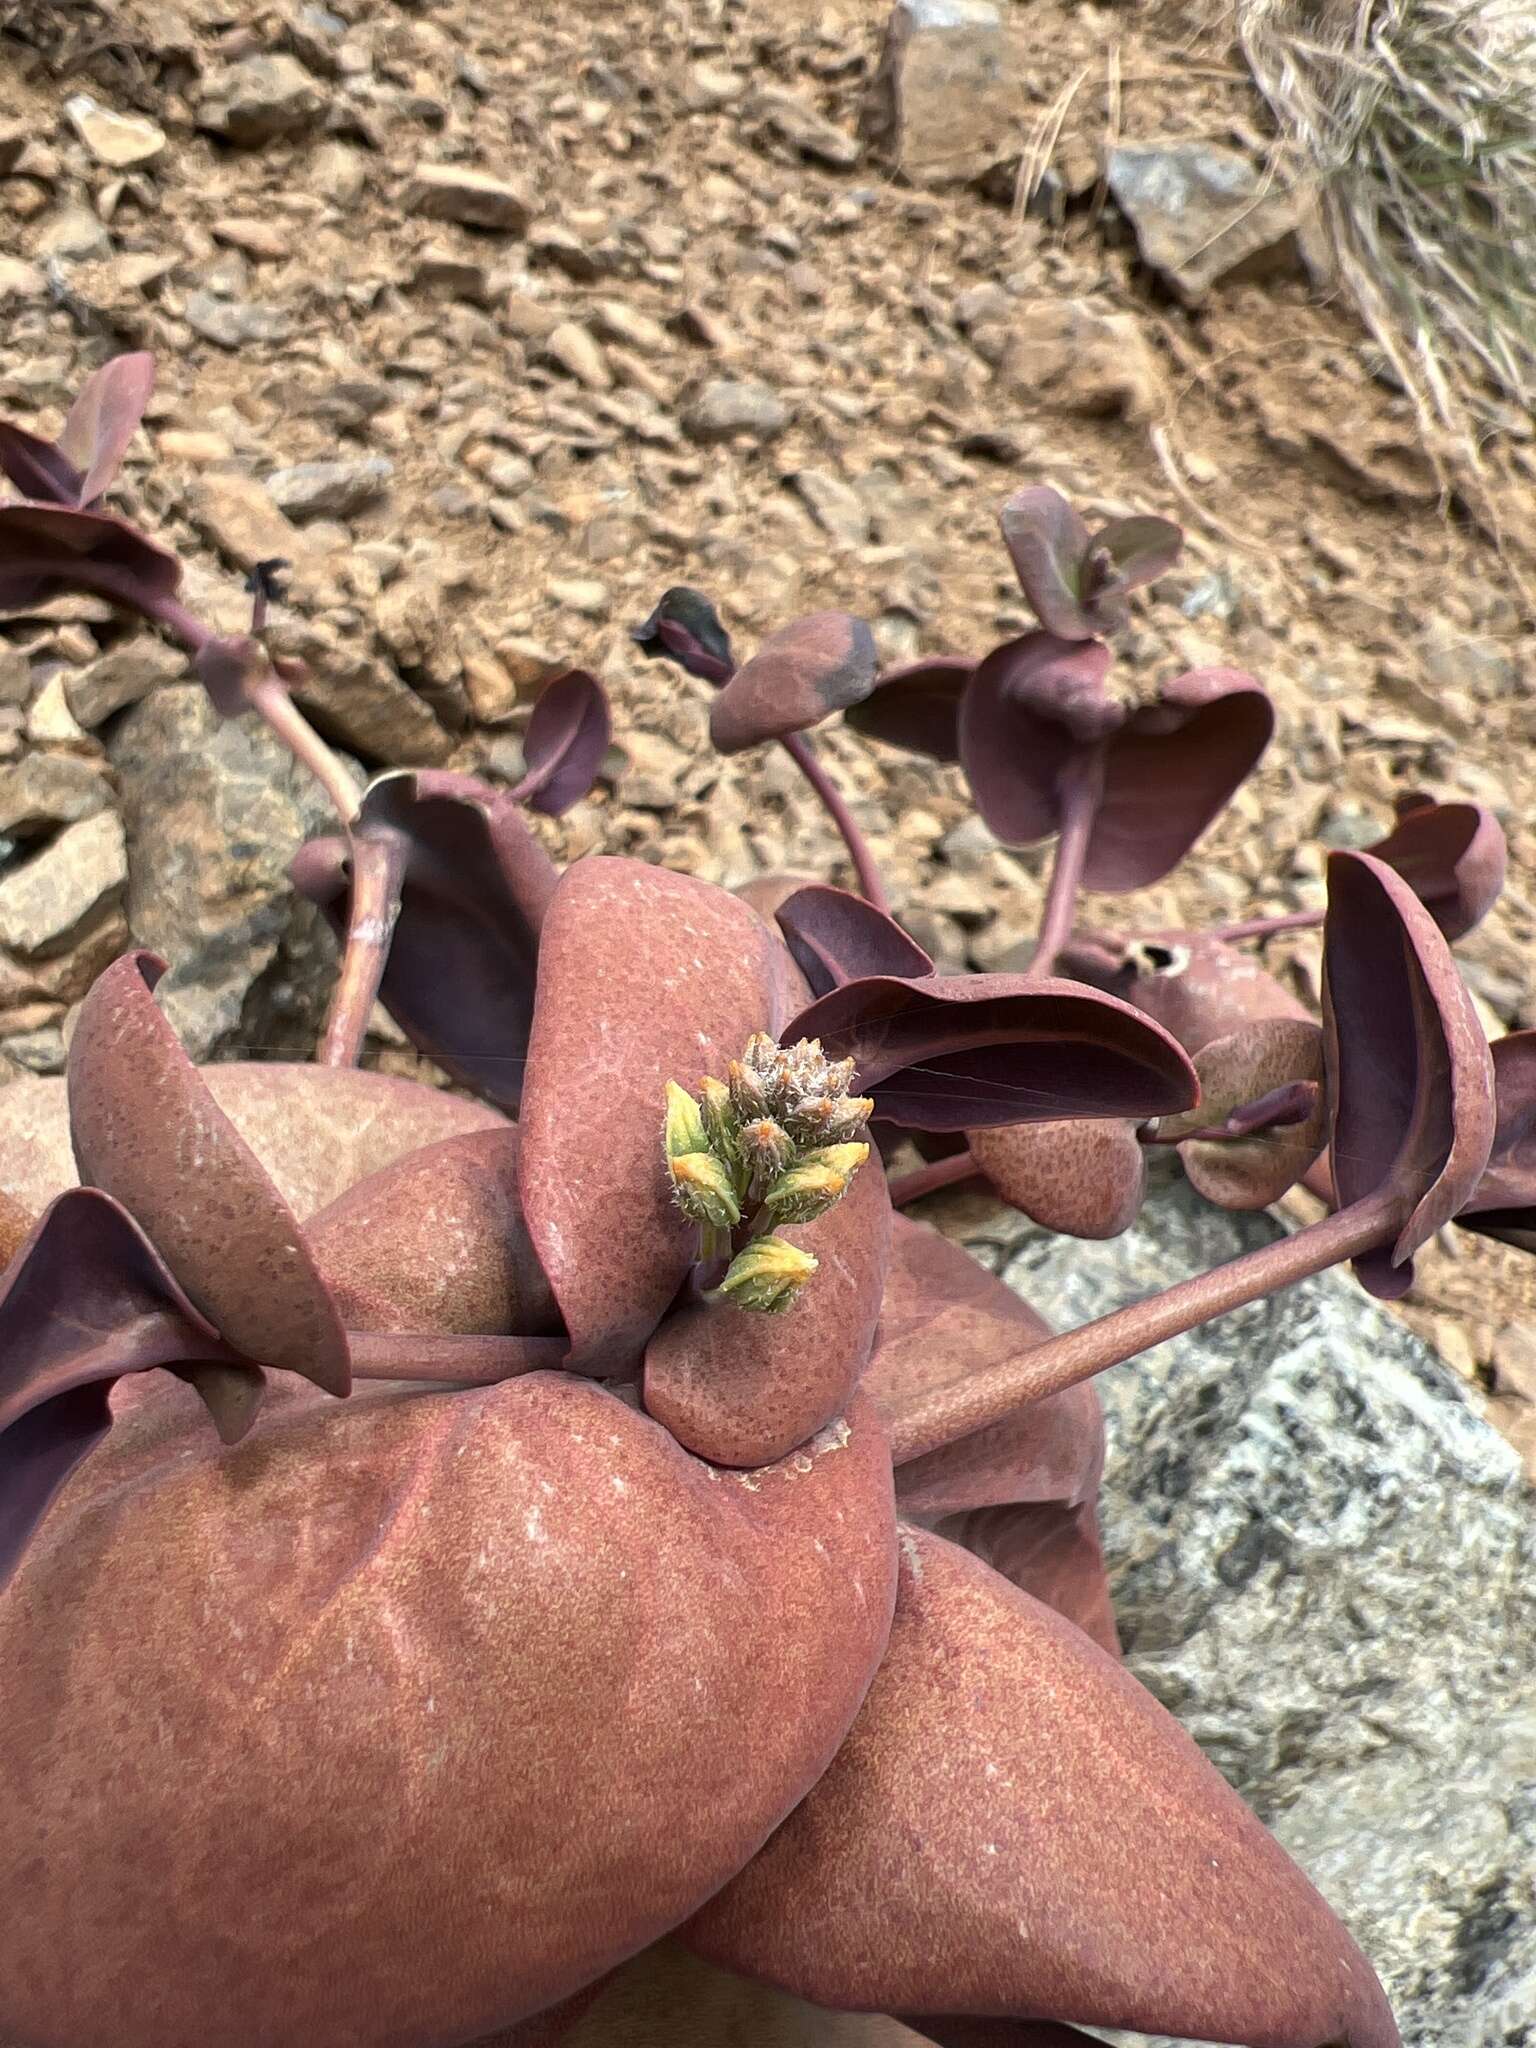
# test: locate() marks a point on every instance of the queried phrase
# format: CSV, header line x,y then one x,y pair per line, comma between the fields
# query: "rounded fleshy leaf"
x,y
38,467
1140,548
686,628
741,1388
645,977
459,979
1195,987
104,419
85,1300
1452,856
959,1052
1050,544
1084,1178
315,1129
917,707
764,893
1048,1549
1503,1204
49,549
1250,1172
16,1225
963,1860
436,1241
836,936
148,1132
1032,707
1409,1070
799,676
567,737
390,1635
1170,771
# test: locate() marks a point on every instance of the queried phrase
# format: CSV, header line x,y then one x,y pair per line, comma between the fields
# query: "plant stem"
x,y
452,1360
989,1396
1082,785
1267,927
271,700
378,865
870,884
925,1180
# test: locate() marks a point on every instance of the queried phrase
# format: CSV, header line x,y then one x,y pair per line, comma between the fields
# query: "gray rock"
x,y
261,99
329,490
1202,214
74,882
234,323
215,809
240,517
723,408
791,121
835,506
43,790
117,140
950,93
1325,1565
473,198
121,677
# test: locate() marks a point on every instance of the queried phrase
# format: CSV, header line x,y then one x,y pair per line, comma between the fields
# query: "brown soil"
x,y
1319,557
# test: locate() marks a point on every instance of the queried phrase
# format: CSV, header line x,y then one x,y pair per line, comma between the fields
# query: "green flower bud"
x,y
704,1192
766,1147
828,1119
719,1117
767,1276
749,1098
843,1159
804,1193
683,1130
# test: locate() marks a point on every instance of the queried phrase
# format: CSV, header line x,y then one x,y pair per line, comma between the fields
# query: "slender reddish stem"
x,y
938,1173
271,700
1267,927
452,1360
1082,785
378,866
1060,1362
870,883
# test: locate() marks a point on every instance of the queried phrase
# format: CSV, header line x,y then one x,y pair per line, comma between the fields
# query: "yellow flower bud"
x,y
683,1130
804,1193
704,1191
767,1276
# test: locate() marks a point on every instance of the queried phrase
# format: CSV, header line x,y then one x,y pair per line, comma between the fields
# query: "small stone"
x,y
44,790
473,198
629,327
329,490
19,280
241,518
120,678
1514,1360
723,409
118,140
580,594
835,506
262,239
46,905
235,323
711,85
179,444
260,99
50,722
493,694
338,174
555,244
570,348
1091,362
74,235
656,769
949,96
1201,214
445,272
792,121
14,137
526,661
15,675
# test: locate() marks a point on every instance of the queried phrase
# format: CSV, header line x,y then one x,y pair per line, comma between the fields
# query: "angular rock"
x,y
1087,360
329,490
260,99
214,810
1324,1563
48,904
20,280
473,198
242,519
787,117
950,91
15,675
570,348
616,321
235,323
359,700
117,140
50,722
835,506
121,677
723,409
44,790
1202,214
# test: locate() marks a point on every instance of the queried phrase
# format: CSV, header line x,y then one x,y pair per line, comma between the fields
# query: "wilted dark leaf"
x,y
686,628
567,737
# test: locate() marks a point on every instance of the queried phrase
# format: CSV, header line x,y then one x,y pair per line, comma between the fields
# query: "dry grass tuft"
x,y
1418,120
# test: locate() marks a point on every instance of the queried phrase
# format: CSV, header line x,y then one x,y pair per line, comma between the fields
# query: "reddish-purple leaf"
x,y
46,550
1032,708
1196,987
1452,856
567,737
917,707
1170,770
966,1860
686,628
766,892
1503,1204
148,1132
38,467
459,979
1410,1074
645,977
1085,1178
1254,1166
1141,548
951,1053
799,676
411,1647
1049,544
836,936
104,419
743,1389
1048,1549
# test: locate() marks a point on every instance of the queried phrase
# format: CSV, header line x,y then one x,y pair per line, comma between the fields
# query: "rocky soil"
x,y
494,322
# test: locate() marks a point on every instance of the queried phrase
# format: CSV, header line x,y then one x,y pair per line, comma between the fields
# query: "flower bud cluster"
x,y
776,1143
